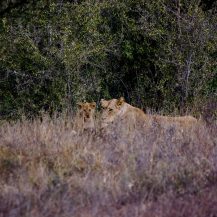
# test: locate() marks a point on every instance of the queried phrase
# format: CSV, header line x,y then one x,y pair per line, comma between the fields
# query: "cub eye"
x,y
110,109
89,110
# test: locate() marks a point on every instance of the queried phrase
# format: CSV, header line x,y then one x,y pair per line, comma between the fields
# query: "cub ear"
x,y
79,104
120,101
93,105
104,103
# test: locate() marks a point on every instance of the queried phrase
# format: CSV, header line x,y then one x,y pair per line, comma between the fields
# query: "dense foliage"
x,y
158,54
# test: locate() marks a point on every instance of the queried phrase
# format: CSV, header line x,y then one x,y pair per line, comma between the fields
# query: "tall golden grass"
x,y
46,169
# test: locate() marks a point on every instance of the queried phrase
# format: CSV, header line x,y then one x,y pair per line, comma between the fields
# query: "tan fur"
x,y
118,108
183,121
85,118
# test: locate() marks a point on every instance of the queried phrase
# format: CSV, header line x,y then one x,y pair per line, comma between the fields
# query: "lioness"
x,y
118,109
85,115
126,124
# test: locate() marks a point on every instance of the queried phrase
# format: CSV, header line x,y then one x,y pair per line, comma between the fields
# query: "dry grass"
x,y
160,169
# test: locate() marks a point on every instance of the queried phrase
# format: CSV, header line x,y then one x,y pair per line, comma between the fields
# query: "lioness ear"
x,y
120,101
93,105
79,104
104,103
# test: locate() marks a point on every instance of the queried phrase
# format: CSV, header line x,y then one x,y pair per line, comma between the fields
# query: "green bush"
x,y
157,54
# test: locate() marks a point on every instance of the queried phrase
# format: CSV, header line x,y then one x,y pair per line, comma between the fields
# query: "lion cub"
x,y
85,117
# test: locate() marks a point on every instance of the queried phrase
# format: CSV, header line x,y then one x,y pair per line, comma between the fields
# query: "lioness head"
x,y
86,113
111,109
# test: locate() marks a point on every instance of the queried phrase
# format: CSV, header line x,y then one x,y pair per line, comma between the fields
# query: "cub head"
x,y
111,109
86,113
